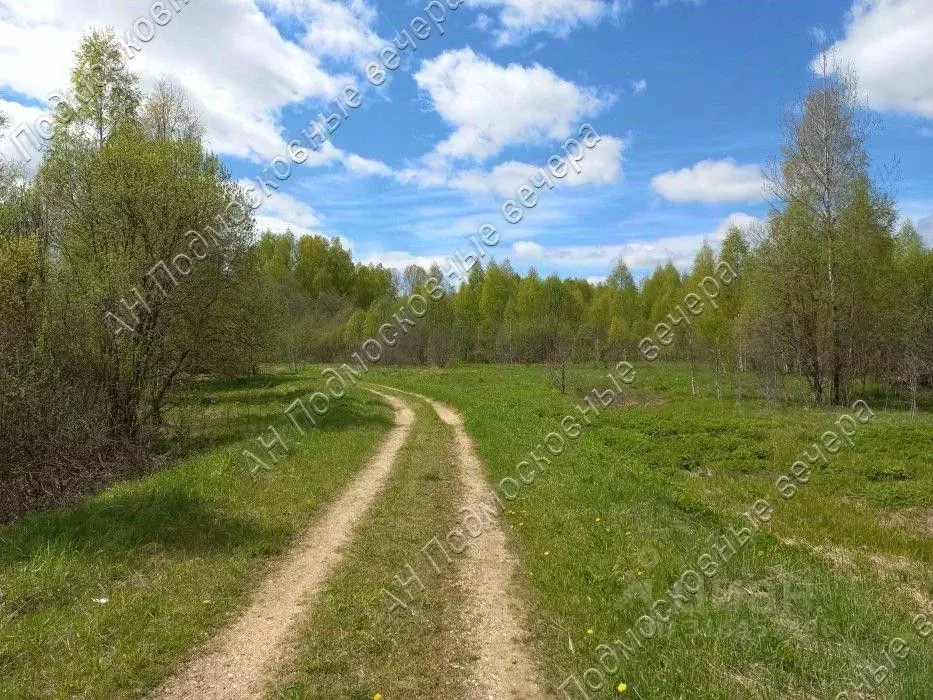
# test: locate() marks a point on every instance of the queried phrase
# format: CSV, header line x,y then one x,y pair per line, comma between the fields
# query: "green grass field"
x,y
840,571
106,599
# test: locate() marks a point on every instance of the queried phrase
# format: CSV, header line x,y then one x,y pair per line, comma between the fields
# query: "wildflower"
x,y
598,519
546,553
590,631
377,696
621,688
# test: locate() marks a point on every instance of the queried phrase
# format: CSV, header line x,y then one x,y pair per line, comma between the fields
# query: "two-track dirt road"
x,y
242,659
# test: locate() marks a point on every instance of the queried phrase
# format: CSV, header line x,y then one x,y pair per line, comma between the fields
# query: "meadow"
x,y
817,595
107,598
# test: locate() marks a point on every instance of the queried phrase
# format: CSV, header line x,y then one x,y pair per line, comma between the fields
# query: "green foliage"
x,y
825,289
125,186
104,93
611,523
159,563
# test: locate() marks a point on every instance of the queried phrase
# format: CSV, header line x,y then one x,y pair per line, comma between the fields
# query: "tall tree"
x,y
913,309
823,173
104,94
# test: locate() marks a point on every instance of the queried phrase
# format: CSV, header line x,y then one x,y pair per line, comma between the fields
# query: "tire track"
x,y
492,620
238,662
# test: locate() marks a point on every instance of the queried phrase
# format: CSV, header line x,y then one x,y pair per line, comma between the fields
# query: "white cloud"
x,y
238,70
890,45
18,114
366,166
277,225
287,207
741,220
334,29
400,259
519,18
483,22
492,106
640,254
711,182
639,87
820,35
281,212
528,250
600,165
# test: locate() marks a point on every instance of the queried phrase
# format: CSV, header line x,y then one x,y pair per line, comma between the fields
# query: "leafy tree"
x,y
823,186
104,94
913,265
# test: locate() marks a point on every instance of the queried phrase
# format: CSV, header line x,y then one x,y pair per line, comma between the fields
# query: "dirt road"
x,y
239,661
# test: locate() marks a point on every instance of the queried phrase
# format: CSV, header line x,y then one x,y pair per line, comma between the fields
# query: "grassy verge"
x,y
105,598
800,611
351,646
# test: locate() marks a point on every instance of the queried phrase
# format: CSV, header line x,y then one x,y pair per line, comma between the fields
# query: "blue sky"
x,y
688,95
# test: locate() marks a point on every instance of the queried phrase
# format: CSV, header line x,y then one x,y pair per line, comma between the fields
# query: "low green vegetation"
x,y
352,646
839,572
104,599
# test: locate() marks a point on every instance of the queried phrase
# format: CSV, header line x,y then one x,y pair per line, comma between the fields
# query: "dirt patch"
x,y
637,398
492,621
237,663
915,521
900,570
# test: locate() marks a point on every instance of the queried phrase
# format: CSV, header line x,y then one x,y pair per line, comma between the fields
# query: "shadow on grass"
x,y
149,520
232,426
154,516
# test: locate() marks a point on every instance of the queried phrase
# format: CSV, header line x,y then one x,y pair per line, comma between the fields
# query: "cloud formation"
x,y
711,182
492,107
890,45
238,81
639,254
520,18
601,165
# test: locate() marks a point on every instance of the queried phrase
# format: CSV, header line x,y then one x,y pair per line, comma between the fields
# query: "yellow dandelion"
x,y
546,553
621,688
377,696
628,533
598,519
590,631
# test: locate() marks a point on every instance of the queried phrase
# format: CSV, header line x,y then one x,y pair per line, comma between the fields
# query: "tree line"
x,y
830,287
